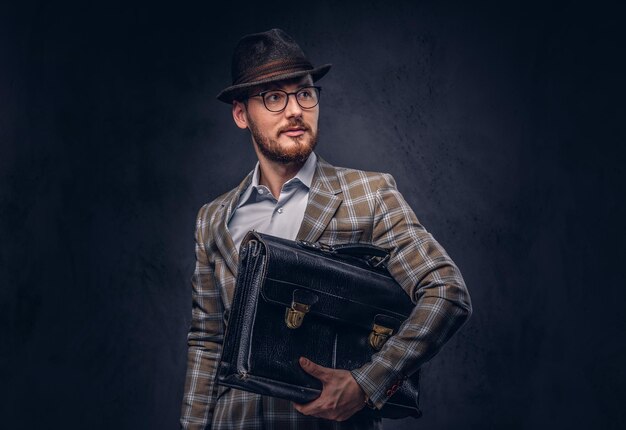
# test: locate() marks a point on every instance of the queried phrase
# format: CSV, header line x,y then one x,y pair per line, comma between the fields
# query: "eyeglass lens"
x,y
276,100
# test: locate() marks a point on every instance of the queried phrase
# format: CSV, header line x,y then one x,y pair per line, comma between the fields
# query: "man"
x,y
293,193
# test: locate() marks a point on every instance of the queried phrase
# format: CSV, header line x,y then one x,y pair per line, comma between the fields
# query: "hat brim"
x,y
235,91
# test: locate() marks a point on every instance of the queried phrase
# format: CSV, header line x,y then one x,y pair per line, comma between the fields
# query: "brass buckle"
x,y
379,336
295,314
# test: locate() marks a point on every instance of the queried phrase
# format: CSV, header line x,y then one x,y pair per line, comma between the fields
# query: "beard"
x,y
274,151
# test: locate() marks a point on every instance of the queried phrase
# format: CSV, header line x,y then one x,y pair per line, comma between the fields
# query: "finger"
x,y
310,408
313,369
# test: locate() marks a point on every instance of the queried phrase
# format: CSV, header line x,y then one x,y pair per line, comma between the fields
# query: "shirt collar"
x,y
304,176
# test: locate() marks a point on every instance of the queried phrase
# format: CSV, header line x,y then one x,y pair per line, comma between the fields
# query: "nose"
x,y
293,109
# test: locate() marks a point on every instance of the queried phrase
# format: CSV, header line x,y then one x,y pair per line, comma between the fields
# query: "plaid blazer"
x,y
345,205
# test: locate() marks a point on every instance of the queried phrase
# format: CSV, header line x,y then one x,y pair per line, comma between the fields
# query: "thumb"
x,y
313,369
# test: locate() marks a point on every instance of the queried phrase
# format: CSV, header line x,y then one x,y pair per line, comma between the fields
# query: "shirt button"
x,y
280,210
261,191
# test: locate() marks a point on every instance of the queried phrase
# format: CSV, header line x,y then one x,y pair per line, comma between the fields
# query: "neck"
x,y
274,175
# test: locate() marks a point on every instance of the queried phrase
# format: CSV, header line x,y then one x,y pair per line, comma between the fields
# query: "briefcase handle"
x,y
375,256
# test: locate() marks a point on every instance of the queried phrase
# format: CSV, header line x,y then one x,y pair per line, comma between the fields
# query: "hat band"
x,y
272,69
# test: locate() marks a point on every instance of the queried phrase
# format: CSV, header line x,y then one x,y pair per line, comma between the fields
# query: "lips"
x,y
294,132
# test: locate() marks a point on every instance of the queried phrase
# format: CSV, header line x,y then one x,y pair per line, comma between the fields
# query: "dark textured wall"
x,y
499,123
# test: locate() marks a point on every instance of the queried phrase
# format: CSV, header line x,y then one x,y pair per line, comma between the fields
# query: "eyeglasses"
x,y
276,100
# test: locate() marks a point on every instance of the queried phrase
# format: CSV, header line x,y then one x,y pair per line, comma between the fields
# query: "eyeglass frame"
x,y
294,93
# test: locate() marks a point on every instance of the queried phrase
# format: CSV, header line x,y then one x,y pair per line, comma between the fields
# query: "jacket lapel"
x,y
324,199
223,239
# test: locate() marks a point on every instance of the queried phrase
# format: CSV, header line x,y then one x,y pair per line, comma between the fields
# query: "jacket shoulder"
x,y
375,180
210,209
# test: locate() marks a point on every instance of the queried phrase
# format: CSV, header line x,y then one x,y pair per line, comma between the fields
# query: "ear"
x,y
239,114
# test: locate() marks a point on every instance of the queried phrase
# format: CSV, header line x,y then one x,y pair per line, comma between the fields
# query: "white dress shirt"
x,y
259,210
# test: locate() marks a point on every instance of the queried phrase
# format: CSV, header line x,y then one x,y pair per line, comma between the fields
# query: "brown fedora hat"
x,y
267,57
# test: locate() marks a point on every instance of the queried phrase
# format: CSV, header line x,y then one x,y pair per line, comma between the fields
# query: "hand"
x,y
341,395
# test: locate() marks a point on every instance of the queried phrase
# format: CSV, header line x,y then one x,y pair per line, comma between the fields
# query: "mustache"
x,y
299,122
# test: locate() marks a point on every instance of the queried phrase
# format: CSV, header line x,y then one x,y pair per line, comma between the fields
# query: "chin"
x,y
296,144
295,152
286,149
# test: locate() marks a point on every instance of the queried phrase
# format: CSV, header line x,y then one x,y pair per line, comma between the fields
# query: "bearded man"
x,y
294,194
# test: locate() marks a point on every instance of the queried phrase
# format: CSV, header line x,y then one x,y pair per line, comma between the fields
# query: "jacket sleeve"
x,y
432,280
204,339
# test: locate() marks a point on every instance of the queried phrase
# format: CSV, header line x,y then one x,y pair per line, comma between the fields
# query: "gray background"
x,y
499,123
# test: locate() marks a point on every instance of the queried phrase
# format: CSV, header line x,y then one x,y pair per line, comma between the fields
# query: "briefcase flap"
x,y
343,289
321,304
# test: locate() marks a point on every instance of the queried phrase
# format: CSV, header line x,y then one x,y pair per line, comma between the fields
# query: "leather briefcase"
x,y
334,305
